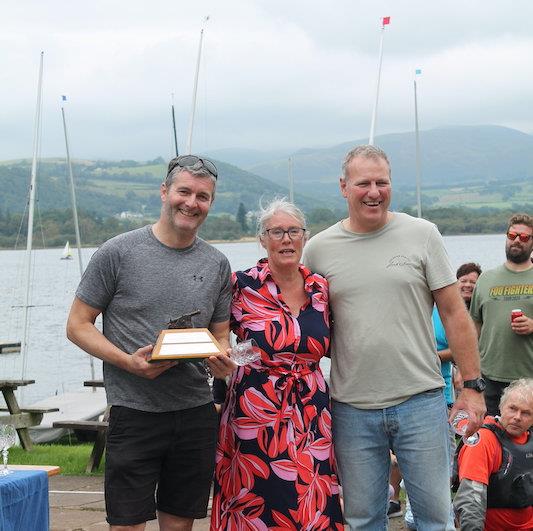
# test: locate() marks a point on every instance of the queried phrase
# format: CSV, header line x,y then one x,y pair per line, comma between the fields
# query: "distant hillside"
x,y
480,167
247,158
461,166
108,188
449,155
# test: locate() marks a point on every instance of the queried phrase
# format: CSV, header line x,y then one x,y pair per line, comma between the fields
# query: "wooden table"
x,y
13,346
22,418
93,383
99,426
51,470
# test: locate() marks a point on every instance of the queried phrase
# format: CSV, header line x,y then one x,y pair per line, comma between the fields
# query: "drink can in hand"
x,y
516,313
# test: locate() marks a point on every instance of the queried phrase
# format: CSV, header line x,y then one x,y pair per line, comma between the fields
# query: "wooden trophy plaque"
x,y
185,343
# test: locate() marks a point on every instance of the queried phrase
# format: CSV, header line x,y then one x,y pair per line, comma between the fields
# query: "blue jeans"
x,y
417,432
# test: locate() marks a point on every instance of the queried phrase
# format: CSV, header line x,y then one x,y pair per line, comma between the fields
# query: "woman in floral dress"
x,y
275,466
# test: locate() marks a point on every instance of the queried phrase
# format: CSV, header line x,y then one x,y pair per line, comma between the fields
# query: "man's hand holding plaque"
x,y
181,341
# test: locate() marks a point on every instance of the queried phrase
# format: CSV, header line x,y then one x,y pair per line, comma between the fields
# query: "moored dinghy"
x,y
67,254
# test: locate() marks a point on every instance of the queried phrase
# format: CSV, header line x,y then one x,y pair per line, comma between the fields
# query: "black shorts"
x,y
172,452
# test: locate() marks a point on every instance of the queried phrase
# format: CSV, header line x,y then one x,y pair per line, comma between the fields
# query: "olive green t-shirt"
x,y
505,355
380,283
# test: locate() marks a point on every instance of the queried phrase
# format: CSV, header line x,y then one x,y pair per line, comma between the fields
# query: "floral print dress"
x,y
275,467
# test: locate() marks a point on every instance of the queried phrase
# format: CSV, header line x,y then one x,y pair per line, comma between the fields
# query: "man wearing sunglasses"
x,y
505,341
162,426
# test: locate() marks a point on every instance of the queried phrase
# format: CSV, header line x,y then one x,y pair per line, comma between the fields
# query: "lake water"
x,y
58,366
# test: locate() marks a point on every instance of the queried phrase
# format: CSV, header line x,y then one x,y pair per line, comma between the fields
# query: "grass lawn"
x,y
71,458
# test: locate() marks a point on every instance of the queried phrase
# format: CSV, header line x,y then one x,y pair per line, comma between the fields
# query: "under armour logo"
x,y
198,278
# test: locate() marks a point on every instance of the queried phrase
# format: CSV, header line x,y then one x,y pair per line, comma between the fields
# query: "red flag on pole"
x,y
386,20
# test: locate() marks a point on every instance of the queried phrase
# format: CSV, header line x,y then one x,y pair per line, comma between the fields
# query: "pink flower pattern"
x,y
275,466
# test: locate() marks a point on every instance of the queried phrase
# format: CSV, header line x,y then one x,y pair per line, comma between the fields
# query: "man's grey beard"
x,y
519,258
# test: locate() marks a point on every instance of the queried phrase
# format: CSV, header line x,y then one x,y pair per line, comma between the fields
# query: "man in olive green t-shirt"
x,y
506,345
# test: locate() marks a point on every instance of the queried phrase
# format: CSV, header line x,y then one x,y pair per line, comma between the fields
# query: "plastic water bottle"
x,y
459,424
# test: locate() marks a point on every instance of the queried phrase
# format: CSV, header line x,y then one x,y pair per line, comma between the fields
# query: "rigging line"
x,y
37,202
204,73
37,191
21,225
23,216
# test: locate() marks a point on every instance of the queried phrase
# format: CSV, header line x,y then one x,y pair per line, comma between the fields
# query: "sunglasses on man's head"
x,y
523,237
193,162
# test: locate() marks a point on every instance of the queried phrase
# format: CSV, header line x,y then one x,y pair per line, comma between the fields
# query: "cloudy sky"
x,y
274,74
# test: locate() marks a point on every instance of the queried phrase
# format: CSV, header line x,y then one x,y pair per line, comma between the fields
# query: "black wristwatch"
x,y
478,384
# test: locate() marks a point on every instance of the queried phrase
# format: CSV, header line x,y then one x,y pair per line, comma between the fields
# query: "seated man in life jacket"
x,y
496,475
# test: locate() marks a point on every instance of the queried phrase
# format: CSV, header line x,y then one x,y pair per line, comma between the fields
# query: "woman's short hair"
x,y
268,211
466,269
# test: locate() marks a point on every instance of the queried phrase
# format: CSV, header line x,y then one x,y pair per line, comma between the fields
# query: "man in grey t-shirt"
x,y
385,270
162,425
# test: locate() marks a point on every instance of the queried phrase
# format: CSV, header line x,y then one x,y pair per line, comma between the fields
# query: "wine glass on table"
x,y
8,437
460,423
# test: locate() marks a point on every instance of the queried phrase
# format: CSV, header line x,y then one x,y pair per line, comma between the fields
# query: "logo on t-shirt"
x,y
399,261
511,291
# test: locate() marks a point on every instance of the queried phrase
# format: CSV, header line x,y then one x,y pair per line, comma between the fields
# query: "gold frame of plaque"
x,y
185,343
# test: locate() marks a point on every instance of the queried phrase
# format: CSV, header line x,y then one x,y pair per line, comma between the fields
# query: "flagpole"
x,y
418,162
195,89
385,21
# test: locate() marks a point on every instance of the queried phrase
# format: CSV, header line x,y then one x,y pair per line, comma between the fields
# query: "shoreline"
x,y
246,239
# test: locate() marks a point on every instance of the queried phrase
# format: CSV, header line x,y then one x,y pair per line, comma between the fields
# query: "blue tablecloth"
x,y
24,501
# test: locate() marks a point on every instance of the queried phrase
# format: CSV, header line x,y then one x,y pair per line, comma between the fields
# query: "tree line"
x,y
54,227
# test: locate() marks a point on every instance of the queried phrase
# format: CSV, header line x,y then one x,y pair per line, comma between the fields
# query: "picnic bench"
x,y
21,417
98,426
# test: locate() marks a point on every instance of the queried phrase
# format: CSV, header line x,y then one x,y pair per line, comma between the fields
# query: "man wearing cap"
x,y
385,270
505,343
162,425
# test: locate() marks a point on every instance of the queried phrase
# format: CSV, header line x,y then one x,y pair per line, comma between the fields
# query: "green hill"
x,y
106,188
474,166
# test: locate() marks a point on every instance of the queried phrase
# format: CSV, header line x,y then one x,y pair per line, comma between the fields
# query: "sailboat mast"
x,y
72,188
418,170
195,90
291,182
31,207
384,22
174,126
74,208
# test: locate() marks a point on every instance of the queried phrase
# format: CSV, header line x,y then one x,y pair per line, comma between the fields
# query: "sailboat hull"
x,y
85,404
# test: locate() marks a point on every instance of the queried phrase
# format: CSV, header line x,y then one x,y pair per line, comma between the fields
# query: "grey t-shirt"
x,y
380,283
139,284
